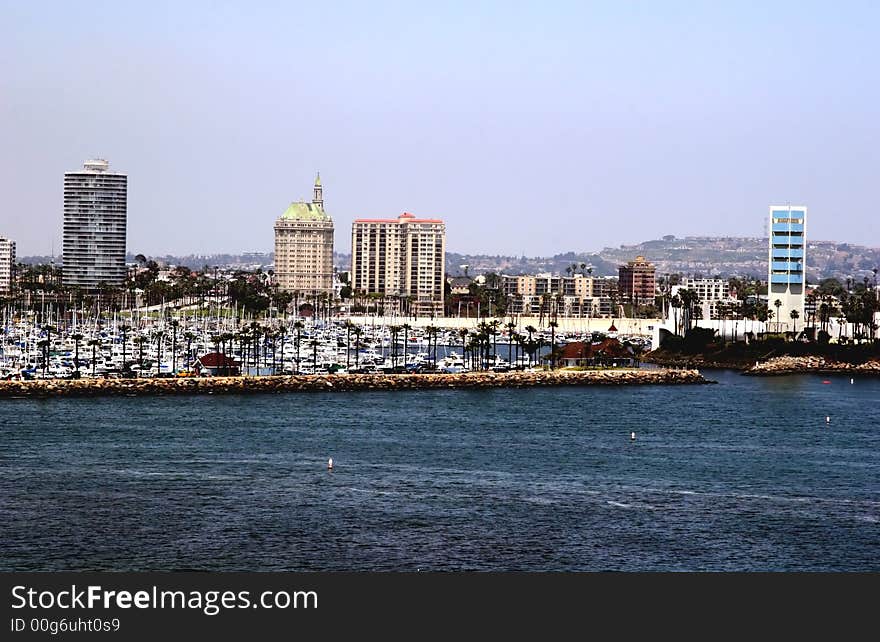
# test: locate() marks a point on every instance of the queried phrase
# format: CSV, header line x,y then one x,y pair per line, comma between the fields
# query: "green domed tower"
x,y
304,246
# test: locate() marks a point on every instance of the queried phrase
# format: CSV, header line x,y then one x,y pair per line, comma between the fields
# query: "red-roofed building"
x,y
217,364
402,259
608,352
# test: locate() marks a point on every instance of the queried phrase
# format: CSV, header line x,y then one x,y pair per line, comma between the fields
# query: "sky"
x,y
528,127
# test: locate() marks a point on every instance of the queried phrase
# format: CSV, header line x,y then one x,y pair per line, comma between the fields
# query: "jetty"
x,y
786,365
344,383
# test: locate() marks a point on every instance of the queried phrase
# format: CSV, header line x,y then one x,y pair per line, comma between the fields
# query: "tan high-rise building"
x,y
304,246
402,257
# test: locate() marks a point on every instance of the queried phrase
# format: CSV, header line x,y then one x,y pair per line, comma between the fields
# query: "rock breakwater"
x,y
342,383
817,365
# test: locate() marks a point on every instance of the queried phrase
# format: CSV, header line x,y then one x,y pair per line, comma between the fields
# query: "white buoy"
x,y
632,436
852,380
330,464
827,420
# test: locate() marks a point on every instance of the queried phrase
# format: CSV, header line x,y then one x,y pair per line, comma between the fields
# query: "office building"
x,y
402,258
95,218
304,246
786,266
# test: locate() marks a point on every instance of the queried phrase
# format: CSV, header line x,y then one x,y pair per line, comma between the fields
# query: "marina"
x,y
166,342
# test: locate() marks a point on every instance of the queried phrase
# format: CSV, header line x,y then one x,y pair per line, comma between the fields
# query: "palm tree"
x,y
493,332
314,343
124,329
256,333
406,328
174,323
77,337
94,343
463,335
348,326
432,332
189,336
553,325
216,339
511,334
282,334
298,326
777,304
357,346
395,332
159,336
531,330
794,314
140,341
270,336
43,344
811,318
47,343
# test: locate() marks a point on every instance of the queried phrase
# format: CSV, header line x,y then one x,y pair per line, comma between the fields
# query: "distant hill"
x,y
701,256
693,255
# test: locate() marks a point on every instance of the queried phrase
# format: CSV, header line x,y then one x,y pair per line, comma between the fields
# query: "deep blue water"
x,y
744,475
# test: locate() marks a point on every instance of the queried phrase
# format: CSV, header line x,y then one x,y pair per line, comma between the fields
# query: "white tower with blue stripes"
x,y
786,277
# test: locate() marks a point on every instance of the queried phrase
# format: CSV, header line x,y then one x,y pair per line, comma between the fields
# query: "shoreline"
x,y
42,388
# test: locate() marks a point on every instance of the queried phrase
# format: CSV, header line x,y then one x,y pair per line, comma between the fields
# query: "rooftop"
x,y
406,217
302,211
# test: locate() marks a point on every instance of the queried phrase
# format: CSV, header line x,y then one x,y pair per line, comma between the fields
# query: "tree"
x,y
553,326
463,335
298,326
794,314
159,337
431,332
124,329
189,336
531,347
43,344
348,327
406,328
830,286
511,334
314,343
174,323
77,337
94,343
357,346
395,332
140,341
777,304
282,335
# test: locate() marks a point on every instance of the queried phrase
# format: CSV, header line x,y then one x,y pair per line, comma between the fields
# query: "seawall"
x,y
343,383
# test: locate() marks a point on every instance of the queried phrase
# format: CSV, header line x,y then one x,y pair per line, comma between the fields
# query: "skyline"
x,y
576,128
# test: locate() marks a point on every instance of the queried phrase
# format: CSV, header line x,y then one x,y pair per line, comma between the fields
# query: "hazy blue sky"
x,y
534,127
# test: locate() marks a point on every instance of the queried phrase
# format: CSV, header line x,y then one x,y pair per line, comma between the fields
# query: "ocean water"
x,y
745,475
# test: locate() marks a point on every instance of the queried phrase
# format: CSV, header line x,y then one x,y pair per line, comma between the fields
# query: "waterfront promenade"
x,y
343,382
